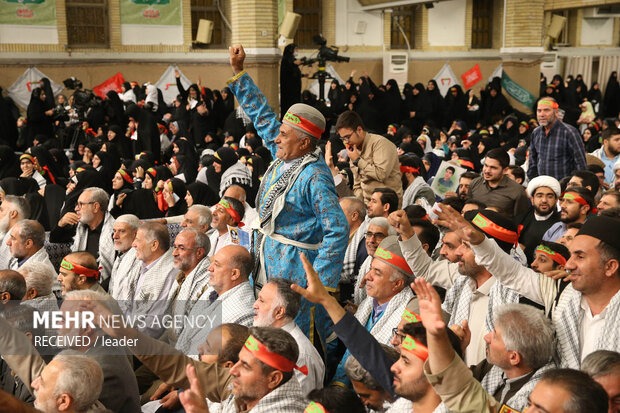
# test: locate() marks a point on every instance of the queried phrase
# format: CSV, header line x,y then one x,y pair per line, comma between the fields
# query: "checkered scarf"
x,y
458,299
495,377
43,303
238,174
351,253
39,256
275,198
288,398
5,253
125,276
233,306
382,329
499,295
190,290
155,278
359,294
412,190
567,317
106,245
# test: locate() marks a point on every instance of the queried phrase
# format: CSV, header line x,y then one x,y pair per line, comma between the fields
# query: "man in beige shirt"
x,y
374,159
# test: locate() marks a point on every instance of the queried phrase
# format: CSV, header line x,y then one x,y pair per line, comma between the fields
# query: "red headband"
x,y
278,362
27,156
495,230
78,269
572,196
552,254
547,102
411,169
234,214
393,259
466,163
315,407
410,316
302,123
409,344
125,176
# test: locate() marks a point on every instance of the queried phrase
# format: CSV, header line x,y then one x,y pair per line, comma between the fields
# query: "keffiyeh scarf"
x,y
106,245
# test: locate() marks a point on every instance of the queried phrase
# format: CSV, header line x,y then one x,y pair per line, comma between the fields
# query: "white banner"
x,y
497,72
167,83
21,90
446,79
314,86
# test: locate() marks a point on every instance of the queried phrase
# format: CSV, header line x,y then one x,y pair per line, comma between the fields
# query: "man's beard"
x,y
543,213
415,390
265,321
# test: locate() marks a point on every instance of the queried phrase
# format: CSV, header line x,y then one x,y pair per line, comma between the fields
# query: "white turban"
x,y
544,180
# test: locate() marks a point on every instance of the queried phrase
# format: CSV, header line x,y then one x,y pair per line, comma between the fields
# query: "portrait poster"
x,y
447,178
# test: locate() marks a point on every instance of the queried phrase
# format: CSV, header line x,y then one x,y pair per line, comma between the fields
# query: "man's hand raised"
x,y
430,306
400,221
450,218
237,57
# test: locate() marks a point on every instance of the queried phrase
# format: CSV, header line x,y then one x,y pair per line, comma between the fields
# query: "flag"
x,y
314,86
22,88
497,72
445,79
167,83
114,83
519,93
471,77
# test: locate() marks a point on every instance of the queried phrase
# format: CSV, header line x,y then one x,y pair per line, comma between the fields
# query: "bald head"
x,y
237,192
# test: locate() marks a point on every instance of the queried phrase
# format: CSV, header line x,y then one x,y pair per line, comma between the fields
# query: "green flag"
x,y
519,93
28,12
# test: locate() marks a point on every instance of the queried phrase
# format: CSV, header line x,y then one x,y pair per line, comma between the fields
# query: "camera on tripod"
x,y
325,54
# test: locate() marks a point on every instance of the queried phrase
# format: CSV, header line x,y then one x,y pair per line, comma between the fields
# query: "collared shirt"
x,y
511,386
508,196
591,328
610,177
377,310
478,309
557,153
92,243
308,356
556,231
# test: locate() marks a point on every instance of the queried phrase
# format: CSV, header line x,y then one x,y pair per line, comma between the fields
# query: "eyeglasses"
x,y
345,138
398,334
81,204
183,248
375,235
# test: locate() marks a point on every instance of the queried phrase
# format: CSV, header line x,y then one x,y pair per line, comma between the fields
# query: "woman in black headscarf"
x,y
107,167
200,194
184,168
174,194
290,79
612,96
147,130
230,170
433,102
122,187
39,116
28,188
9,163
595,97
8,122
455,105
229,101
591,139
47,166
115,110
336,97
185,148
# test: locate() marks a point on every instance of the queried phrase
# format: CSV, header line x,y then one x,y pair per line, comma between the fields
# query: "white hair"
x,y
129,219
204,214
81,377
39,276
99,196
383,223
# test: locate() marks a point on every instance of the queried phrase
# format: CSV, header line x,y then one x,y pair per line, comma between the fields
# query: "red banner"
x,y
114,83
471,77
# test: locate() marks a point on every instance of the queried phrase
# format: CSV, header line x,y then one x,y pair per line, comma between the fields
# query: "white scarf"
x,y
106,245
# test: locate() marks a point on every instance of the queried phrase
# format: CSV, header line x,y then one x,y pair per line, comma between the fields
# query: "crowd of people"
x,y
382,251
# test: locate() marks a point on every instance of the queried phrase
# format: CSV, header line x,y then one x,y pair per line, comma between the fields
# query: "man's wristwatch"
x,y
355,162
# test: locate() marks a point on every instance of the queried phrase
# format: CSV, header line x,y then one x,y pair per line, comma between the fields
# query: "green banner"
x,y
151,12
28,12
518,93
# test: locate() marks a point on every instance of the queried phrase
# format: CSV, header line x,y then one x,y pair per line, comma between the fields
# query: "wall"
x,y
348,13
597,31
446,23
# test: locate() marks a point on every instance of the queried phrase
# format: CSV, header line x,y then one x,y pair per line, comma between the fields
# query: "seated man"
x,y
198,217
26,244
12,210
79,271
277,306
149,278
238,192
90,229
39,280
387,287
227,213
123,233
555,392
604,367
228,299
262,379
12,289
355,212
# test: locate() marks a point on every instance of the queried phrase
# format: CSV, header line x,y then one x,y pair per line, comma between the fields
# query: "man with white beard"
x,y
277,306
12,210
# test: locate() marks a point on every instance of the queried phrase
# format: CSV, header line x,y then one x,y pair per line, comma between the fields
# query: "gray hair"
x,y
527,331
81,378
356,205
400,275
30,229
158,232
205,216
129,219
356,372
302,135
39,276
20,204
383,223
286,297
601,363
99,196
201,240
13,283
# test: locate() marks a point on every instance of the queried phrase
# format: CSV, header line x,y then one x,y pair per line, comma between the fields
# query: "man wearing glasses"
x,y
373,158
91,228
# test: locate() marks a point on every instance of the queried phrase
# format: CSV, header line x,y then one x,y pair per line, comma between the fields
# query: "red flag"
x,y
113,83
471,77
